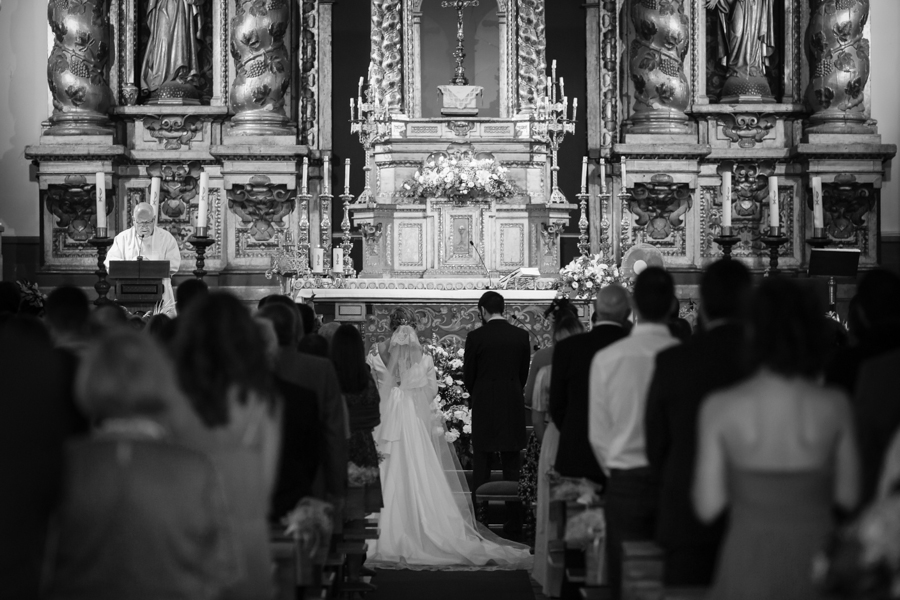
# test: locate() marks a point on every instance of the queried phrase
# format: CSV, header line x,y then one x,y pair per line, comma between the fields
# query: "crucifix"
x,y
459,76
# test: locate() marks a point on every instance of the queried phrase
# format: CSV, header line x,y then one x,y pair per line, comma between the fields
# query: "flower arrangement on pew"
x,y
311,524
458,176
585,275
451,405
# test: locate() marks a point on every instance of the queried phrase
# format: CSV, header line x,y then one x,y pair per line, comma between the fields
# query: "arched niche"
x,y
490,55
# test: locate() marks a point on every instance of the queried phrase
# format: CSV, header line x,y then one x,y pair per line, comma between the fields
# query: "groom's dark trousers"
x,y
495,372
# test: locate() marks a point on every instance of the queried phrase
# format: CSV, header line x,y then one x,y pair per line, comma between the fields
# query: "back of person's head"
x,y
160,327
219,351
282,300
284,321
327,330
310,322
67,310
348,354
270,340
10,297
654,291
492,303
785,330
314,345
137,323
25,326
106,318
188,291
613,303
680,329
566,325
124,375
400,316
878,296
725,290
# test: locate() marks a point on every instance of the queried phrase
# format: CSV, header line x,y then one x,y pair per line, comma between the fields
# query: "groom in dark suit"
x,y
495,371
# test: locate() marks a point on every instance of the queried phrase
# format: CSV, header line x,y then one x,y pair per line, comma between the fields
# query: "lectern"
x,y
139,283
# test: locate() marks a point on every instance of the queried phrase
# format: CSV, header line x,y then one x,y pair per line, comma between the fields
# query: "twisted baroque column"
x,y
532,53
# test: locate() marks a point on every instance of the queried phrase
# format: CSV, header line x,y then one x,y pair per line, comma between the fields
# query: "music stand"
x,y
831,263
139,282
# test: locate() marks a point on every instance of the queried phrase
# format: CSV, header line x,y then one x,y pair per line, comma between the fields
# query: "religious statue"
x,y
172,60
747,45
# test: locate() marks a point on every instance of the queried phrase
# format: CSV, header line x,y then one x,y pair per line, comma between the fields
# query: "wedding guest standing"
x,y
620,377
778,451
495,370
224,370
141,517
684,375
877,417
569,387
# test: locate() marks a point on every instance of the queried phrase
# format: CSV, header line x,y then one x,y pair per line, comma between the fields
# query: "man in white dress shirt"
x,y
146,240
619,381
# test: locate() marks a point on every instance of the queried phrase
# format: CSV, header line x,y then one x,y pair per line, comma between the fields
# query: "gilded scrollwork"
x,y
392,55
531,52
74,206
660,206
173,131
376,55
261,206
847,205
309,74
747,129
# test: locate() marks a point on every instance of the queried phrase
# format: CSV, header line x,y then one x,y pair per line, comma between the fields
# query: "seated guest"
x,y
300,456
224,371
107,318
877,417
778,451
684,375
140,516
188,292
32,432
360,393
160,327
569,386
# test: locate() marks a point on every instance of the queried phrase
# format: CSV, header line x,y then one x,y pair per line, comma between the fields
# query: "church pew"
x,y
643,570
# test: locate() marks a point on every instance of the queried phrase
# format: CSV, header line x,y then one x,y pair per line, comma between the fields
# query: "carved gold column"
x,y
659,41
77,70
532,53
262,66
839,64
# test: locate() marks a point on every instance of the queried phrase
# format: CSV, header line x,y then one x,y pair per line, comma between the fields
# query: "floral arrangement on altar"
x,y
585,275
451,405
457,175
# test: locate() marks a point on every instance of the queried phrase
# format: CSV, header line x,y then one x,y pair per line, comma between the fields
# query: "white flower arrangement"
x,y
586,275
451,405
458,175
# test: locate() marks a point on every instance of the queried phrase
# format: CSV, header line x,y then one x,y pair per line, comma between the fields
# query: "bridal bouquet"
x,y
585,275
358,477
451,405
458,175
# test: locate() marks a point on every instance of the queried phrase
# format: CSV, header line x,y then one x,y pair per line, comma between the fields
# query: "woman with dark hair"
x,y
777,449
226,373
360,392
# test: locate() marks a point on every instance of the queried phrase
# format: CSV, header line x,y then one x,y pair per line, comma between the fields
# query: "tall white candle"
x,y
602,175
624,185
326,187
305,181
352,111
318,257
203,201
154,196
574,107
773,202
337,259
100,179
726,199
818,204
553,69
347,176
562,87
360,87
584,172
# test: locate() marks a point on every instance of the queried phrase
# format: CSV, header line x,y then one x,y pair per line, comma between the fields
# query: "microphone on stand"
x,y
537,340
486,270
140,247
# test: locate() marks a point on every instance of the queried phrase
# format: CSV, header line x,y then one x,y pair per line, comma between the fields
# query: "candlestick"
x,y
583,174
553,69
773,241
574,108
602,173
100,179
726,199
773,202
352,107
818,216
304,185
154,196
200,241
102,244
346,176
550,92
203,202
325,164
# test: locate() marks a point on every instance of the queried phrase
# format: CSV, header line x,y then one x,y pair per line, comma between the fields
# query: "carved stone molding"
x,y
262,68
74,205
461,128
550,234
178,190
749,189
309,74
77,69
747,129
659,205
749,227
173,131
372,237
386,56
847,204
609,74
659,43
532,42
262,206
839,61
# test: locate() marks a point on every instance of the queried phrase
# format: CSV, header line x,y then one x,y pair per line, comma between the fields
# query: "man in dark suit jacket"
x,y
684,376
569,384
495,371
301,442
876,412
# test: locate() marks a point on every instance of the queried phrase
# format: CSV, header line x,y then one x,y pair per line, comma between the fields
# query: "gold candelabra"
x,y
371,122
553,124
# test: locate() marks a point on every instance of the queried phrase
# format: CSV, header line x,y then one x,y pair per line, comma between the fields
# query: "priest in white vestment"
x,y
147,240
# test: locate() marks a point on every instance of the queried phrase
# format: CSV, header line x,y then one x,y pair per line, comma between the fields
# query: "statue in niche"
x,y
172,71
746,47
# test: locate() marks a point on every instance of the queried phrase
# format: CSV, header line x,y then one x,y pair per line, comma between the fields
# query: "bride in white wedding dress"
x,y
427,520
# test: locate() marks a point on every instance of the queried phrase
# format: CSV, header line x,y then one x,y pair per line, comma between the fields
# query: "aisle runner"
x,y
451,585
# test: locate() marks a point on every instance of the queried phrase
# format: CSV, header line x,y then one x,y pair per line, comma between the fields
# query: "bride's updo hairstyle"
x,y
401,316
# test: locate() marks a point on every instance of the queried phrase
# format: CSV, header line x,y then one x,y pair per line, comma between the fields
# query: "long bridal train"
x,y
428,520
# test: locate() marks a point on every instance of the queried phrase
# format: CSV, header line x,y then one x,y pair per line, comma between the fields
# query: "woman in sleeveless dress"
x,y
778,450
427,520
